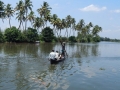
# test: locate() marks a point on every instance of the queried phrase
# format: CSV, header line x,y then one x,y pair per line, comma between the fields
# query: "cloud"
x,y
93,8
116,11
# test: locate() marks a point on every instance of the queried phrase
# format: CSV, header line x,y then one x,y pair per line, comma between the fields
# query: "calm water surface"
x,y
89,66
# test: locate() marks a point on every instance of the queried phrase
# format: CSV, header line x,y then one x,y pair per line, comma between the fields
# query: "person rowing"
x,y
63,49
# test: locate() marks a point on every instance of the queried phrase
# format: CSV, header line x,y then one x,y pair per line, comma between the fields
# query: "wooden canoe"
x,y
56,61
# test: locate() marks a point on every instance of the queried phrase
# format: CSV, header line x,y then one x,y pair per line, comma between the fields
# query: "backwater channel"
x,y
89,66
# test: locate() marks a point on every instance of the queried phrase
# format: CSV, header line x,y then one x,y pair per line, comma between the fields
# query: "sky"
x,y
105,13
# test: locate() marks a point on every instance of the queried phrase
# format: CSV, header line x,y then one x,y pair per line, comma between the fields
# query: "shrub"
x,y
12,34
31,35
2,39
47,34
72,39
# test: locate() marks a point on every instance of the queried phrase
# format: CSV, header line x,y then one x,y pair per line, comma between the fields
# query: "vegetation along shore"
x,y
45,27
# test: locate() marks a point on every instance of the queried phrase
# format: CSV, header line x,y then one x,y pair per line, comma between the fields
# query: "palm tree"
x,y
27,6
80,28
54,18
47,17
44,12
9,12
43,9
31,17
2,13
73,25
80,25
96,30
38,23
20,12
58,26
68,24
90,24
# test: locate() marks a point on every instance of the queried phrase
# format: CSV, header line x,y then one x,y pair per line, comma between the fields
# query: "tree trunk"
x,y
26,20
19,25
70,32
66,32
9,23
23,25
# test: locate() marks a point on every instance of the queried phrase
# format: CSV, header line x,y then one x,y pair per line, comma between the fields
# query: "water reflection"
x,y
52,78
83,50
42,50
26,67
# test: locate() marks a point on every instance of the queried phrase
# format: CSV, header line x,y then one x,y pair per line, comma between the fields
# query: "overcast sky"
x,y
105,13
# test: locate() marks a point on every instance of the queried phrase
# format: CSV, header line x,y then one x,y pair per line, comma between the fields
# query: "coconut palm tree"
x,y
9,12
2,13
44,12
27,6
38,23
20,12
58,26
54,18
90,24
80,25
73,25
68,24
96,30
47,17
31,17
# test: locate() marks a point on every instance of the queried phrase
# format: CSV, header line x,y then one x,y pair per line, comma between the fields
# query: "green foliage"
x,y
64,39
89,38
1,37
96,39
23,37
31,35
72,39
108,39
24,13
2,13
47,34
12,34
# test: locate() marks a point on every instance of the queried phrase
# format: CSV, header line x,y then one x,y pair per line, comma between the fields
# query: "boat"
x,y
54,61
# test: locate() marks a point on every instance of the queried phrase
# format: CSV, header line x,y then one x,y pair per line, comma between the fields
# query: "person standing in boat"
x,y
63,49
52,55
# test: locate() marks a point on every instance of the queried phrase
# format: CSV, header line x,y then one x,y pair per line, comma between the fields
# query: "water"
x,y
89,66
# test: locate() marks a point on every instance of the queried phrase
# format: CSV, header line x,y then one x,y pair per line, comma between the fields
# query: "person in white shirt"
x,y
52,55
57,55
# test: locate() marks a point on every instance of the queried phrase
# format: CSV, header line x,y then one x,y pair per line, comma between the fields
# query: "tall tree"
x,y
2,13
96,30
47,17
73,22
31,17
54,18
44,12
9,12
27,6
20,12
38,23
80,25
68,23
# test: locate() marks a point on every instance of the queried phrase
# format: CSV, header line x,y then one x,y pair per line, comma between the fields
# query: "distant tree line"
x,y
108,39
39,29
